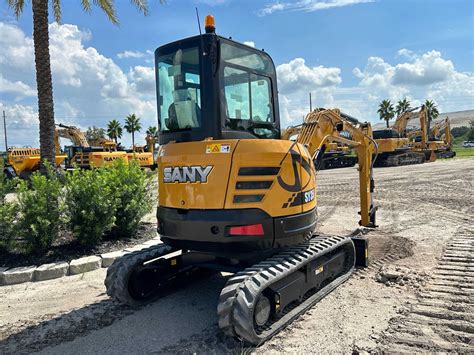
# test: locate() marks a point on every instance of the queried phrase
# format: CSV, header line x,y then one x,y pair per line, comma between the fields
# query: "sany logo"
x,y
111,158
186,174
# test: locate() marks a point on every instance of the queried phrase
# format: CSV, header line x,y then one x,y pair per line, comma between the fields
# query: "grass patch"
x,y
462,152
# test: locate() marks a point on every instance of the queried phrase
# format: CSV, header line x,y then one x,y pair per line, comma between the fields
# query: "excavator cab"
x,y
209,86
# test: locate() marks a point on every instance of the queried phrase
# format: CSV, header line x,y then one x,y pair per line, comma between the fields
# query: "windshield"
x,y
179,90
247,95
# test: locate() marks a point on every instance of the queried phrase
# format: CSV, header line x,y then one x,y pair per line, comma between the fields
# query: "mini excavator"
x,y
236,197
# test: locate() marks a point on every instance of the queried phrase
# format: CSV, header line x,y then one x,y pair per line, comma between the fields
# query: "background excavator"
x,y
22,162
142,155
82,154
394,146
337,155
439,139
236,197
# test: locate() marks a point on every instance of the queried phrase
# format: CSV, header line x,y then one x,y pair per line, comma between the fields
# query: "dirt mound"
x,y
393,275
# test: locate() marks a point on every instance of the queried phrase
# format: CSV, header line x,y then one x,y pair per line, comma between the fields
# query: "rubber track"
x,y
119,272
443,319
238,297
410,158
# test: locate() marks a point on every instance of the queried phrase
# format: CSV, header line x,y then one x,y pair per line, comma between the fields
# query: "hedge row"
x,y
89,203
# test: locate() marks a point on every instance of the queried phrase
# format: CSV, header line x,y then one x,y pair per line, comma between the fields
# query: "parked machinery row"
x,y
83,154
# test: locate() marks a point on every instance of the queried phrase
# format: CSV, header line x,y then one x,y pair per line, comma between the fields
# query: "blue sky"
x,y
350,54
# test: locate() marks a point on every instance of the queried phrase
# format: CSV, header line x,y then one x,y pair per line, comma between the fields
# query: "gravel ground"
x,y
416,296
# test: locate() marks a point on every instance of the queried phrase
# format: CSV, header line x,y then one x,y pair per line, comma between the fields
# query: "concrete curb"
x,y
51,271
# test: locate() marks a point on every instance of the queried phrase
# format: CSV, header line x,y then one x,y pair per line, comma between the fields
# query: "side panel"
x,y
271,175
391,144
194,175
99,159
145,159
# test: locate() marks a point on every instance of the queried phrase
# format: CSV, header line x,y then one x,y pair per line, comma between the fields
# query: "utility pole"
x,y
310,103
5,131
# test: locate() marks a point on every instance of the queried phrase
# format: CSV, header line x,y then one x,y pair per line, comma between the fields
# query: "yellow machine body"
x,y
391,144
100,159
276,176
26,160
145,159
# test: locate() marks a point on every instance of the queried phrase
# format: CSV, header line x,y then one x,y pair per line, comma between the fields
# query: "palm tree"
x,y
433,112
402,106
95,133
114,130
385,111
152,131
42,58
132,125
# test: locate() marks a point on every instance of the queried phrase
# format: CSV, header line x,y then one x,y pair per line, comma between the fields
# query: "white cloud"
x,y
131,54
296,80
88,87
308,5
143,79
250,43
296,76
22,125
429,76
406,53
428,69
17,88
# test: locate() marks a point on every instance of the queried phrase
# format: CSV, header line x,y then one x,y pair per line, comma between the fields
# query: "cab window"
x,y
179,90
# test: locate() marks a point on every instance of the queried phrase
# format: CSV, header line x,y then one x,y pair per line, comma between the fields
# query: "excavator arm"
x,y
324,126
74,134
402,120
442,129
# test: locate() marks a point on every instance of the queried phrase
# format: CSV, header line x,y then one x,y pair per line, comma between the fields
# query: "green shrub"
x,y
131,186
90,205
40,213
8,212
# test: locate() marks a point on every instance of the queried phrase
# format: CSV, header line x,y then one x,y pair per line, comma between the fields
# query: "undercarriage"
x,y
400,158
261,297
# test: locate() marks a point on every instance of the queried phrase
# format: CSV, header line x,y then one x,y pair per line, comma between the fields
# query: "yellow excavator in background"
x,y
441,132
82,154
439,140
336,155
144,158
394,146
236,196
22,162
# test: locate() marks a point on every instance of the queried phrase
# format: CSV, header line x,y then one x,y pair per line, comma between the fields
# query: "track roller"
x,y
259,301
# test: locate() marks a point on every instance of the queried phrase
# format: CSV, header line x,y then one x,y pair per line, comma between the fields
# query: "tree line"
x,y
115,130
387,111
